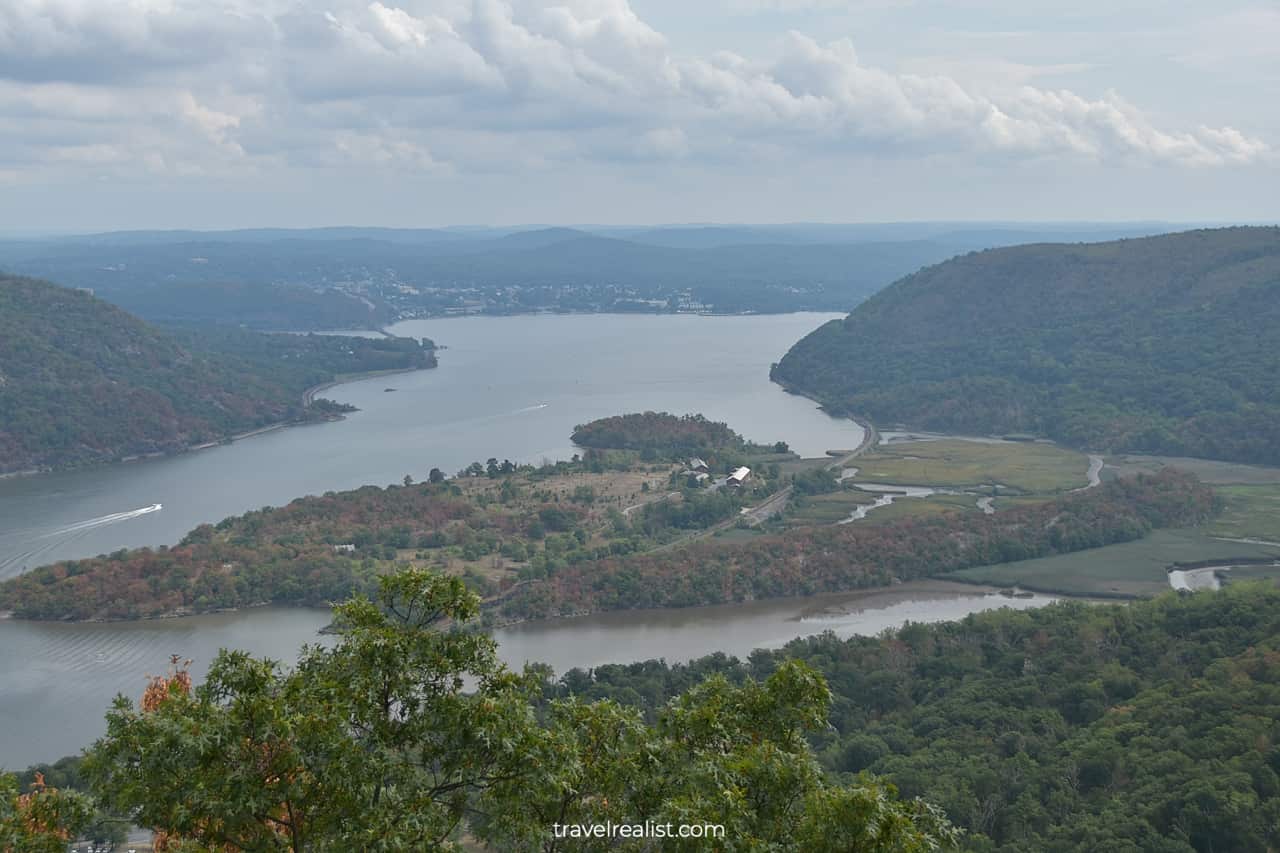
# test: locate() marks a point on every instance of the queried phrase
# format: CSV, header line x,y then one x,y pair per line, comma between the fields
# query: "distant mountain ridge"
x,y
355,277
1169,344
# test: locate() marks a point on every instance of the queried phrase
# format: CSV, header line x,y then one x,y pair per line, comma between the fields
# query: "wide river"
x,y
511,387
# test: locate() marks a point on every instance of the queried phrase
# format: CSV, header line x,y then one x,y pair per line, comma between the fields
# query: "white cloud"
x,y
479,84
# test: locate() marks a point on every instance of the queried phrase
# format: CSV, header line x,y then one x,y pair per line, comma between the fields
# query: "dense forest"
x,y
1146,727
663,434
405,735
81,381
1164,344
810,560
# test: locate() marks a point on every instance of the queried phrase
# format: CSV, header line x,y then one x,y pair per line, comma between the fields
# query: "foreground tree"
x,y
43,819
732,758
408,731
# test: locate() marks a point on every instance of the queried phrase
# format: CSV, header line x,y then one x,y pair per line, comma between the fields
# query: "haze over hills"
x,y
1167,344
277,278
82,381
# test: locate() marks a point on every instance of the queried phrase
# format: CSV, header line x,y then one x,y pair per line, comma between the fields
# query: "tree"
x,y
370,744
43,819
722,756
374,744
435,476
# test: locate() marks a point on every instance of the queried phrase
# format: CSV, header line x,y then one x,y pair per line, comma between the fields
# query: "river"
x,y
60,678
511,387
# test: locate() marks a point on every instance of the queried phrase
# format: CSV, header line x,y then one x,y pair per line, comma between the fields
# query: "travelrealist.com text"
x,y
648,829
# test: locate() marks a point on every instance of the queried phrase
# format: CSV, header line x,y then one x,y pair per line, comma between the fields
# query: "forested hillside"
x,y
1168,344
81,381
1146,727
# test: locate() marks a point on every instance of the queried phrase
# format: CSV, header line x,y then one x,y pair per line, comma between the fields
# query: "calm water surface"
x,y
58,679
736,629
510,387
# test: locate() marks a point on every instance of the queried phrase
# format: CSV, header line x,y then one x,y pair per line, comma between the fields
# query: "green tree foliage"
x,y
805,561
321,549
82,381
1165,344
1145,727
42,819
403,734
670,436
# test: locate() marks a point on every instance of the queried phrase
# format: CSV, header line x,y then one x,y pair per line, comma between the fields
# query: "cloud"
x,y
481,84
96,41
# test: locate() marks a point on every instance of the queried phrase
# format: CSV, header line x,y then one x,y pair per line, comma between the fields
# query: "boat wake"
x,y
103,521
67,533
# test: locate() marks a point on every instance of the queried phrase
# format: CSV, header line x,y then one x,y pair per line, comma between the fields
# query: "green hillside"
x,y
1168,344
81,381
1075,727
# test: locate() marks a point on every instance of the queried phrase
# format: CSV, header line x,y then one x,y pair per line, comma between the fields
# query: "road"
x,y
870,437
776,503
655,499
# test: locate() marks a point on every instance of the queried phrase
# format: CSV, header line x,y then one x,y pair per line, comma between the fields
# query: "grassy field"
x,y
795,466
1128,569
1025,466
1250,493
827,509
1211,472
932,505
1251,512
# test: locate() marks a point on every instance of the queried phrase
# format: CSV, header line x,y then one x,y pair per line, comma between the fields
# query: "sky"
x,y
419,113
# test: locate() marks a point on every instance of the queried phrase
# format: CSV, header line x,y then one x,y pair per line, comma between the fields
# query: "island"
x,y
619,528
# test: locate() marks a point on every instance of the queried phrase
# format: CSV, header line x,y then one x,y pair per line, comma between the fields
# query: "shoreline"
x,y
1044,589
935,584
843,312
307,397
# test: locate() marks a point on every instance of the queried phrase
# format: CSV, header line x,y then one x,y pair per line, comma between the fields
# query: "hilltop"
x,y
1165,344
82,381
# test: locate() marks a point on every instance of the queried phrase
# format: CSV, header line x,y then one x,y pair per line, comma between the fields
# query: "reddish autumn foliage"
x,y
813,560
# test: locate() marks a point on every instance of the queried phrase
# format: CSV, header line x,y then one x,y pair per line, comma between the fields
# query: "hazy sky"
x,y
226,113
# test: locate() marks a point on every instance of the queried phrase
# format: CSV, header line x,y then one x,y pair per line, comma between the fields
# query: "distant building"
x,y
739,476
699,465
345,549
